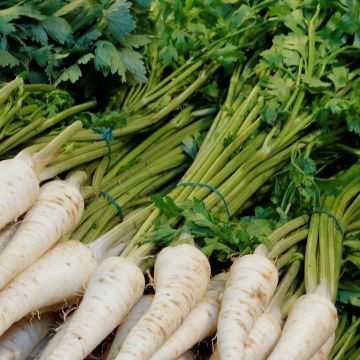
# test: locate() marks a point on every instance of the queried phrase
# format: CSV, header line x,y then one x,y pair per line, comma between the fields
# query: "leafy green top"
x,y
60,40
218,237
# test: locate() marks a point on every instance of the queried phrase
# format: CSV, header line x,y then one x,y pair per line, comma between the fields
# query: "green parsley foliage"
x,y
80,42
219,238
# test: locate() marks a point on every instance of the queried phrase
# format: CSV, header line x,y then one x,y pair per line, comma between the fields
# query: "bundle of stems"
x,y
347,339
148,167
240,152
29,110
328,227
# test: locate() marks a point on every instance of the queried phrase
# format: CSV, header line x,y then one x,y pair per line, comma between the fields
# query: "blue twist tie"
x,y
113,201
213,189
333,217
108,137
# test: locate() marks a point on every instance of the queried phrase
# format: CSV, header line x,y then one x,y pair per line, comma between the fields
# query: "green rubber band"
x,y
113,202
333,217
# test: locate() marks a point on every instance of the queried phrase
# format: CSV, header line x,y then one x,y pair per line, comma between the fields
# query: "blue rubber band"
x,y
108,137
210,187
333,217
113,201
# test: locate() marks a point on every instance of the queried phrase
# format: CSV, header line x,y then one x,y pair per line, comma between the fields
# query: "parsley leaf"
x,y
339,77
51,39
168,55
108,60
6,27
119,19
7,59
167,206
134,64
216,236
58,29
72,73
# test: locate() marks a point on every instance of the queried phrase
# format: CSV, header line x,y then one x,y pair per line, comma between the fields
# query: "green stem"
x,y
223,166
10,114
151,96
260,196
128,96
131,222
285,283
232,92
166,177
27,110
351,212
132,99
311,43
345,345
129,180
135,252
355,355
85,148
292,300
6,108
354,343
310,266
286,243
182,118
111,211
237,200
163,149
285,258
38,87
12,141
173,75
8,88
99,174
176,102
236,183
224,125
138,202
324,246
175,139
287,228
237,162
45,155
342,326
295,93
32,130
353,226
72,162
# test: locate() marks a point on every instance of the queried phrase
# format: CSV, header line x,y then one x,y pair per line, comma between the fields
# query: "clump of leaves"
x,y
218,236
59,41
313,172
114,119
186,27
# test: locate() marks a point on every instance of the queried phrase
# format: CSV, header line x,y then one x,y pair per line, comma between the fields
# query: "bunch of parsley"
x,y
82,41
219,237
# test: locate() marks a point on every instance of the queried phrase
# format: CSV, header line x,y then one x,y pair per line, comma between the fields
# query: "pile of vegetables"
x,y
205,206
